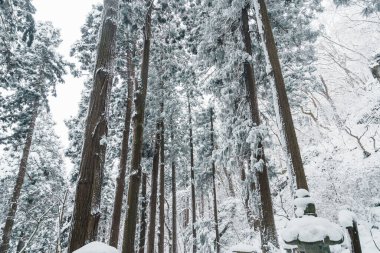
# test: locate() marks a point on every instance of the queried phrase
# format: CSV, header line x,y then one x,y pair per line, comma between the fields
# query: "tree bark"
x,y
153,192
120,180
21,242
267,227
143,214
138,128
13,204
174,201
354,236
281,98
161,235
86,214
192,178
217,239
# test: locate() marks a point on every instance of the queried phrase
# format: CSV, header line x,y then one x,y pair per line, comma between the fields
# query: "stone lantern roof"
x,y
307,228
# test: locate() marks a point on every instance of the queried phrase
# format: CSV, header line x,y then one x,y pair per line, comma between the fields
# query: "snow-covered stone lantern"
x,y
311,234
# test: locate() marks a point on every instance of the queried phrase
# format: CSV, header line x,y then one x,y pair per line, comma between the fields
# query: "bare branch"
x,y
358,139
39,221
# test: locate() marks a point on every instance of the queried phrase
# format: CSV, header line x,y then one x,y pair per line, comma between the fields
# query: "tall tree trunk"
x,y
138,129
13,204
21,242
355,239
186,218
143,214
174,200
153,192
86,214
192,177
161,235
201,204
120,180
280,97
267,228
217,245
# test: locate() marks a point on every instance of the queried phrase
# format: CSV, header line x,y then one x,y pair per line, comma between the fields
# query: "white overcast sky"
x,y
68,16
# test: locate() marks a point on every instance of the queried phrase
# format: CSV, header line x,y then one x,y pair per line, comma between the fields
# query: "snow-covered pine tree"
x,y
21,107
38,225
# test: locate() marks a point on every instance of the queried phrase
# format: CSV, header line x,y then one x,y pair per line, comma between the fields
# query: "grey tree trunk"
x,y
120,180
174,210
13,203
143,214
153,192
161,235
192,178
86,214
217,239
174,199
267,227
281,100
138,129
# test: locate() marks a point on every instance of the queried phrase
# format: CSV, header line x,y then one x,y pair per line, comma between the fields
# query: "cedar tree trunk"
x,y
86,214
161,235
153,192
143,214
217,246
138,129
120,180
192,178
267,228
281,100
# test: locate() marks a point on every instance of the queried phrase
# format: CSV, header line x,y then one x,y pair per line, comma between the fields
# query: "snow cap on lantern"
x,y
308,231
304,204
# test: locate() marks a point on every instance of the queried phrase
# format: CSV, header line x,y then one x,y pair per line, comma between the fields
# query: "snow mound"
x,y
311,229
302,193
301,201
301,204
96,247
243,247
346,218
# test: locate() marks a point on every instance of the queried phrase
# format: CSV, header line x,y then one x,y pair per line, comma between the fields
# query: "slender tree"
x,y
7,231
120,180
153,192
267,227
86,214
138,129
21,108
161,235
280,97
217,239
192,176
143,214
174,197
